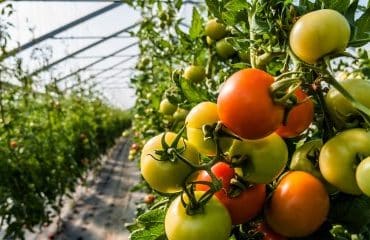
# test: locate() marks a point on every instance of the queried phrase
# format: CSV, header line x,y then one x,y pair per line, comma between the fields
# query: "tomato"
x,y
306,158
319,33
299,117
268,234
265,158
166,107
209,41
245,105
166,176
180,114
201,114
244,56
215,29
224,49
340,109
194,73
363,176
213,224
298,206
149,198
339,156
242,207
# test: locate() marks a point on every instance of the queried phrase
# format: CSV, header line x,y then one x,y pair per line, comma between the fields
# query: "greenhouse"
x,y
185,119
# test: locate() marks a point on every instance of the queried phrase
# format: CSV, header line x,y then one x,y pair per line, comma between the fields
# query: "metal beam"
x,y
97,61
85,37
82,50
115,56
59,30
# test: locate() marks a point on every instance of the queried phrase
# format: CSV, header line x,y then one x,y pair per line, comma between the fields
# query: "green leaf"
x,y
237,10
149,226
353,212
214,7
362,26
350,13
178,4
339,5
196,28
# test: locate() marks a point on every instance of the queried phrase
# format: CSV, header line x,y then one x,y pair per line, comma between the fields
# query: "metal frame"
x,y
60,29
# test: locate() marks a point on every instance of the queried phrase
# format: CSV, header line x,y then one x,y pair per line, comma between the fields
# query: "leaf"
x,y
214,7
350,13
363,26
149,226
353,212
237,11
196,28
339,5
178,4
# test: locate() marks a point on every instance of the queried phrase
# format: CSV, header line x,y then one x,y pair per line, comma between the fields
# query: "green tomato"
x,y
180,114
224,49
209,41
338,158
265,158
215,30
166,107
166,176
194,73
202,114
363,176
306,157
319,33
214,223
340,109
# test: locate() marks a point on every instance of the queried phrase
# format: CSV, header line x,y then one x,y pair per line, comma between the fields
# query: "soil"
x,y
99,208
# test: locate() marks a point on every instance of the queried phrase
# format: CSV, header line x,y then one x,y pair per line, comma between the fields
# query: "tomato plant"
x,y
243,204
310,39
180,226
307,196
245,105
272,82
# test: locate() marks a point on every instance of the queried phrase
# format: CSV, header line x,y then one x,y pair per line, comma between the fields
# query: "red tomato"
x,y
244,206
299,117
245,105
298,206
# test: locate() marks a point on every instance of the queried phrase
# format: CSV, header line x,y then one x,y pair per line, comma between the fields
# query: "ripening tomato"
x,y
319,33
299,117
215,29
166,176
298,206
213,223
200,115
242,207
246,107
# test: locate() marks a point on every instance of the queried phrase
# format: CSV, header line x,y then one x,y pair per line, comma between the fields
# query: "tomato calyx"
x,y
237,186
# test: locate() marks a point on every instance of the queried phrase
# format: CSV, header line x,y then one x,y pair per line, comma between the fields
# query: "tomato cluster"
x,y
233,162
